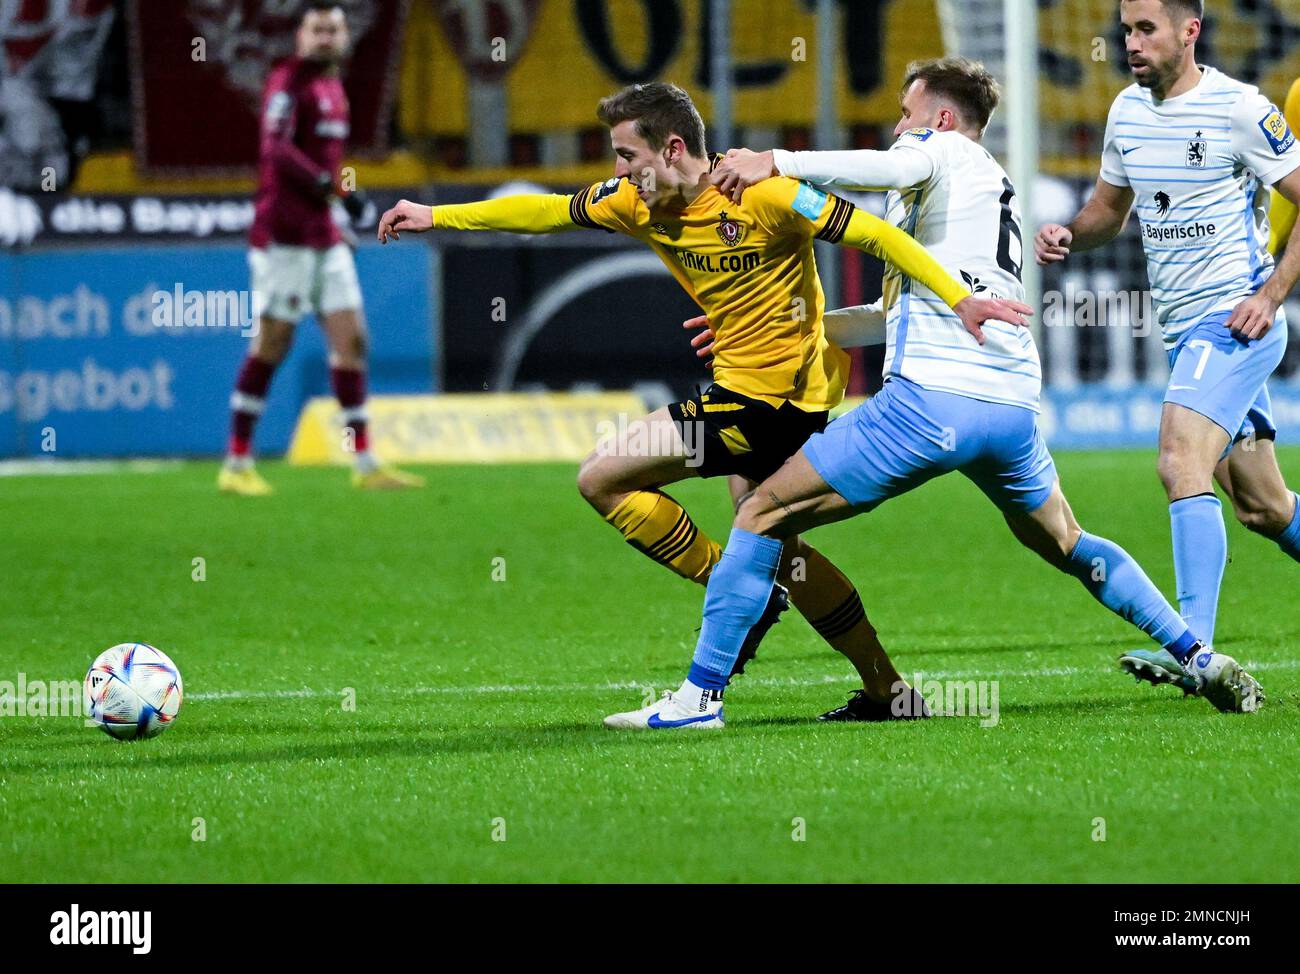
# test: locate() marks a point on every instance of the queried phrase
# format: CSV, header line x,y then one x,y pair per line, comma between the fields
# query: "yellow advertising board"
x,y
467,427
572,55
563,57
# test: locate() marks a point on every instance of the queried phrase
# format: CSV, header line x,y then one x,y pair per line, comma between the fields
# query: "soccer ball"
x,y
133,691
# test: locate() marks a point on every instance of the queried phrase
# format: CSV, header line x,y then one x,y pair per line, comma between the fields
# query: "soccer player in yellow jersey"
x,y
1281,217
750,266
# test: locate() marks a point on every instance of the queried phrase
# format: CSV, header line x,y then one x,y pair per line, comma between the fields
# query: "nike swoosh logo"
x,y
655,721
1176,388
1125,152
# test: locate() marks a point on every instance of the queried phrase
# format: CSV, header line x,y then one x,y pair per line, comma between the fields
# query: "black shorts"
x,y
727,433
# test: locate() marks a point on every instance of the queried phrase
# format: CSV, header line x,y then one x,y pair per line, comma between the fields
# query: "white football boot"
x,y
670,712
1221,680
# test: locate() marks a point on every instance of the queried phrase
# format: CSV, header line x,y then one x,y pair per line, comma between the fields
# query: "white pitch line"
x,y
310,694
67,468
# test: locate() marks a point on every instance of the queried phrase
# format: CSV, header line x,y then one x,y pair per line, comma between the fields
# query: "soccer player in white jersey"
x,y
950,402
1197,152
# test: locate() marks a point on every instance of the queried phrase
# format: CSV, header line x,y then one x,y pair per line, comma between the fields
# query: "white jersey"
x,y
1200,166
967,215
958,203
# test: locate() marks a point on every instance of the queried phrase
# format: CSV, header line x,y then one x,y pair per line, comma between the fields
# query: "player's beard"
x,y
1160,75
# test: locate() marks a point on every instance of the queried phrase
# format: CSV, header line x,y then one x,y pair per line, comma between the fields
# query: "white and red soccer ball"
x,y
133,691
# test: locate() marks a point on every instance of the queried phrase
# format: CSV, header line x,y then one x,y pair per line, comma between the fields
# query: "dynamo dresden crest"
x,y
731,231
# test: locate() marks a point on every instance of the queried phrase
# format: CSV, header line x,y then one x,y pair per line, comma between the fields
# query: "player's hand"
x,y
415,217
975,311
1253,317
740,169
703,342
1052,243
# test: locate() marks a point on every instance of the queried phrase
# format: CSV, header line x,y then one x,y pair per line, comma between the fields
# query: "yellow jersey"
x,y
750,267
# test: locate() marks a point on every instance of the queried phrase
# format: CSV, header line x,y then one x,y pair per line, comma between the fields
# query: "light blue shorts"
x,y
1224,377
906,435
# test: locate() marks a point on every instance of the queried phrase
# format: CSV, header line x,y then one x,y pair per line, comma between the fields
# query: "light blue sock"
x,y
1289,540
1119,583
1200,552
739,587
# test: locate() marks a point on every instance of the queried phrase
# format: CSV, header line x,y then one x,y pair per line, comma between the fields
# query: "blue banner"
x,y
133,352
1096,416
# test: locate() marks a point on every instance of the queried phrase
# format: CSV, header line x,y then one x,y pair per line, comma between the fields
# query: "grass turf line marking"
x,y
69,468
310,694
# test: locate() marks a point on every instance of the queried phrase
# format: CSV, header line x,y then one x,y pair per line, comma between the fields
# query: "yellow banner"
x,y
572,58
467,427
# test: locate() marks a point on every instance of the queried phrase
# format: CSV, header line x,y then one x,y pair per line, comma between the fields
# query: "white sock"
x,y
696,699
239,463
366,462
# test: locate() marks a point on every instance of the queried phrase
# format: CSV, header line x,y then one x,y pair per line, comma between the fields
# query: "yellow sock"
x,y
657,525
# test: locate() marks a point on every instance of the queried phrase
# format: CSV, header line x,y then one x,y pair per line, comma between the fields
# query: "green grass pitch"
x,y
478,699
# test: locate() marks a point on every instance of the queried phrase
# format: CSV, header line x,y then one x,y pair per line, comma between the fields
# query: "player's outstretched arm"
x,y
404,217
853,169
887,242
1099,222
529,213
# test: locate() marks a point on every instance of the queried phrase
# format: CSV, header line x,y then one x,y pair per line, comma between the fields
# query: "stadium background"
x,y
128,131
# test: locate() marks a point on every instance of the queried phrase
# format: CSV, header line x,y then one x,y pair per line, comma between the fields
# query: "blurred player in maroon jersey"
x,y
298,260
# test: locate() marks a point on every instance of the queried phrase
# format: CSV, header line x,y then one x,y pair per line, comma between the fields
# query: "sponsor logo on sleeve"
x,y
808,202
920,135
607,188
1275,129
